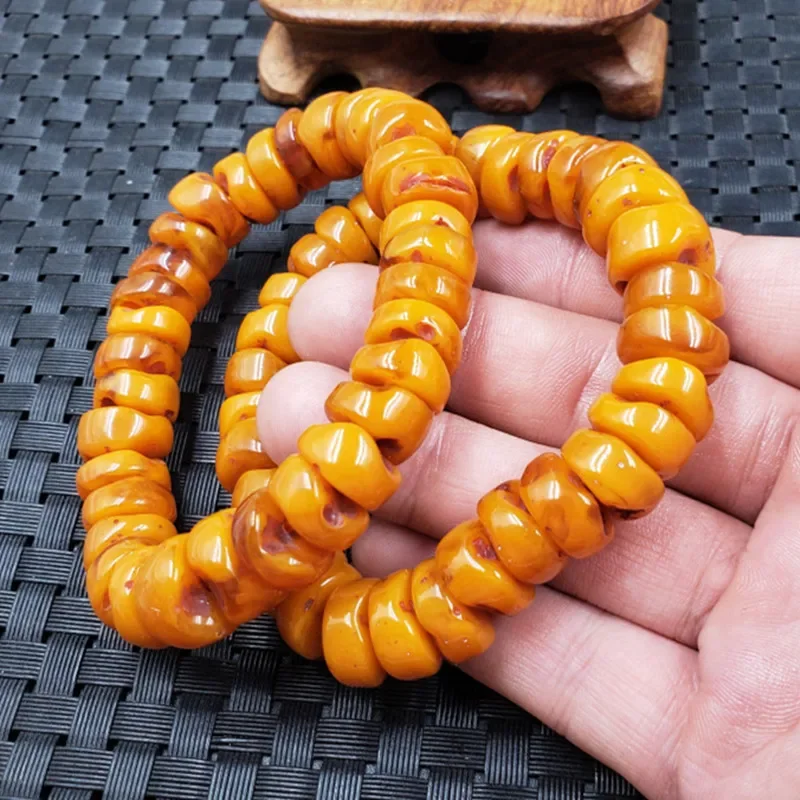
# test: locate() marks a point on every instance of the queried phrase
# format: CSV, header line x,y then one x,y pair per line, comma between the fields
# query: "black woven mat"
x,y
104,105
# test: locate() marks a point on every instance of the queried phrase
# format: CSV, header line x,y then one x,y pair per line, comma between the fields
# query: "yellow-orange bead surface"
x,y
675,284
206,249
161,322
268,328
236,178
104,430
249,370
117,466
150,394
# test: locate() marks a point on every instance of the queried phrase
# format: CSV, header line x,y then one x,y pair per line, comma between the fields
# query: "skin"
x,y
672,655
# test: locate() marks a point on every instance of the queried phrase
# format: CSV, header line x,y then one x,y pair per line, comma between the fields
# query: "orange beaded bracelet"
x,y
280,546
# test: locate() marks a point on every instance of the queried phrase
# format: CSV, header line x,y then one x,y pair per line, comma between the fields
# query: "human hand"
x,y
671,655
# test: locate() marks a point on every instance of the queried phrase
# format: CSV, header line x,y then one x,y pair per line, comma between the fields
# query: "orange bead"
x,y
346,642
176,264
340,229
677,332
349,459
421,212
408,363
295,154
316,130
199,198
240,450
299,616
126,497
613,472
659,437
311,254
319,513
268,328
145,529
271,172
562,175
409,117
249,370
265,542
526,551
565,510
282,287
403,319
395,418
500,174
369,221
117,466
235,177
236,408
402,646
472,146
343,119
206,250
105,430
474,575
534,159
251,481
417,281
442,178
647,237
675,284
460,632
138,352
99,575
674,385
160,322
154,289
150,394
429,243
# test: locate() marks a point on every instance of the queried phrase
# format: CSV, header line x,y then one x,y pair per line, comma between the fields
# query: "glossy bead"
x,y
299,616
633,186
104,430
249,370
206,250
251,481
150,394
117,466
460,632
472,146
499,181
138,352
295,154
153,289
646,237
160,322
533,160
675,284
178,265
282,287
263,540
613,472
565,510
316,130
369,221
408,363
126,497
98,577
268,328
311,254
199,198
677,332
346,641
417,281
235,177
141,528
659,437
339,228
270,170
313,508
562,175
395,418
350,460
353,122
236,408
526,551
402,646
403,319
409,117
672,384
421,212
474,575
240,450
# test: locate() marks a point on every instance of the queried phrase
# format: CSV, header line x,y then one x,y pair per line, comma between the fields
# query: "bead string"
x,y
280,546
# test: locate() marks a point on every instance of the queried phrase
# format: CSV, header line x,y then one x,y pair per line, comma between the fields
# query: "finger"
x,y
664,572
533,371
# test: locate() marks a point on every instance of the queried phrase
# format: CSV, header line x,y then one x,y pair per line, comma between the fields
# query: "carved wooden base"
x,y
513,74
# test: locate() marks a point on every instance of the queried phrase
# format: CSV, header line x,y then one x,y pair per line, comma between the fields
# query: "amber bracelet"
x,y
280,546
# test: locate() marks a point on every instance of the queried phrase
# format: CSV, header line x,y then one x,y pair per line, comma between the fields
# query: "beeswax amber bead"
x,y
311,254
472,146
339,228
117,466
676,331
199,198
206,250
251,481
249,370
176,264
534,159
403,319
615,474
154,289
271,172
369,221
646,237
674,385
421,212
126,497
319,513
299,616
141,528
402,646
562,175
150,394
675,284
408,363
268,328
395,418
565,510
349,459
499,181
235,177
104,430
408,117
316,130
236,408
474,575
160,322
460,632
280,288
526,551
240,450
295,154
98,577
354,117
139,352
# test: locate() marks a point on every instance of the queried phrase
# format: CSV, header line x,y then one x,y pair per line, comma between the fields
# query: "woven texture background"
x,y
103,106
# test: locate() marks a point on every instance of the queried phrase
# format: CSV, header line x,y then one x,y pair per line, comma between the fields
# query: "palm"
x,y
671,656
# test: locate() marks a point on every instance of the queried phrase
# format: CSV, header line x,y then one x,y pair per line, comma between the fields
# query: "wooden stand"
x,y
505,54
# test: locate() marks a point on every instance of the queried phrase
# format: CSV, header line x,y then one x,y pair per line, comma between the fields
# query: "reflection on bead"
x,y
249,482
675,284
150,394
268,328
317,133
294,153
160,322
240,450
236,408
104,430
471,150
282,287
138,352
311,254
141,529
153,289
369,221
500,179
235,177
117,466
339,228
206,249
127,497
562,175
249,370
420,212
270,170
409,117
177,264
534,159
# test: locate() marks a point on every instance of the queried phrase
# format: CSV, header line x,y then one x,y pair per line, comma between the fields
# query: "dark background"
x,y
103,107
